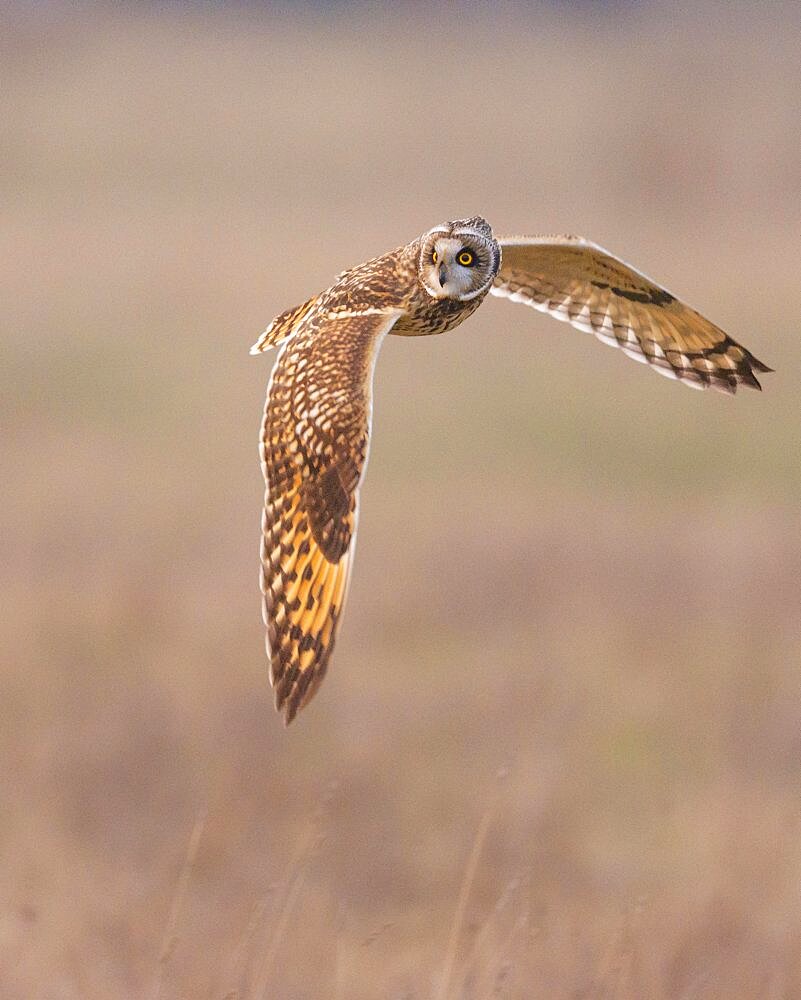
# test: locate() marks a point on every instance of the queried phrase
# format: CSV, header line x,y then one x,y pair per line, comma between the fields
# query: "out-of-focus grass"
x,y
566,566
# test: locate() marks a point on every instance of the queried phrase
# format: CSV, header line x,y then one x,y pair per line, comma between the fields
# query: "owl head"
x,y
459,260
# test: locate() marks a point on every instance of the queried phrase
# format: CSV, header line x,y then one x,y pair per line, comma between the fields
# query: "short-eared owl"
x,y
316,430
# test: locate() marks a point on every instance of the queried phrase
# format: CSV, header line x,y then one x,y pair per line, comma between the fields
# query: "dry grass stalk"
x,y
464,895
170,938
310,840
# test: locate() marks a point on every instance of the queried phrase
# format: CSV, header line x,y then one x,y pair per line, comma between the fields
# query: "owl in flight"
x,y
315,436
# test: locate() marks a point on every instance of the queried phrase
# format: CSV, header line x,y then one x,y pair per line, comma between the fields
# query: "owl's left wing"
x,y
579,282
314,446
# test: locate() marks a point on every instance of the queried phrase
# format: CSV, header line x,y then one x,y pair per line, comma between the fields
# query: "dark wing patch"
x,y
656,297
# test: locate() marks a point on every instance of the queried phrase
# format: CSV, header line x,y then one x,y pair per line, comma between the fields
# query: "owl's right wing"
x,y
580,282
314,448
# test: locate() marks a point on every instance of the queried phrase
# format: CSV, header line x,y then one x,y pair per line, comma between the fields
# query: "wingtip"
x,y
285,704
749,378
262,342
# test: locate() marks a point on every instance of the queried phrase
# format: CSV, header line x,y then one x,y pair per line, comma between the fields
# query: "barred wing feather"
x,y
581,283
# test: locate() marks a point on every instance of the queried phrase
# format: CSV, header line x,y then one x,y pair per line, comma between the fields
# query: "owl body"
x,y
316,429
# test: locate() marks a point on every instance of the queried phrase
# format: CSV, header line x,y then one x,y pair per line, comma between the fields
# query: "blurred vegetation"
x,y
567,567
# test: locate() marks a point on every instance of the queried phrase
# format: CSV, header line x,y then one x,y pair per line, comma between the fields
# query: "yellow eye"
x,y
466,258
433,256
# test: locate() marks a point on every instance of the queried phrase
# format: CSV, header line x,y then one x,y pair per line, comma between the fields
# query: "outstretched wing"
x,y
579,282
314,446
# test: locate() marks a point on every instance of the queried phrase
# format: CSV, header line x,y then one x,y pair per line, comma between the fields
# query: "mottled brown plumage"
x,y
315,435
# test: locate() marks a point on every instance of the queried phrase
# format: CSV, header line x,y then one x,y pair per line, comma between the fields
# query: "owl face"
x,y
459,260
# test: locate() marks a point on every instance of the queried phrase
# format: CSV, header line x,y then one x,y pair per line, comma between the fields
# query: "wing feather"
x,y
282,326
579,282
314,448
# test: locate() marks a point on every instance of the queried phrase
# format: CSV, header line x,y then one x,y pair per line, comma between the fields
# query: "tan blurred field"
x,y
568,568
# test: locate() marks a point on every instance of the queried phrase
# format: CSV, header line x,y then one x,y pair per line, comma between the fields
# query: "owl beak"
x,y
441,276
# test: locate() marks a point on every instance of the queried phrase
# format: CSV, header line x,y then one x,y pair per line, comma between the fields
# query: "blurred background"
x,y
558,753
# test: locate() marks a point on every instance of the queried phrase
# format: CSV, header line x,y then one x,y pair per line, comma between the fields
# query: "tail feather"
x,y
282,327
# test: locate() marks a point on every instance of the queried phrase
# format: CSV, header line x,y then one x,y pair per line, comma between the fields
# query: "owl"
x,y
315,435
